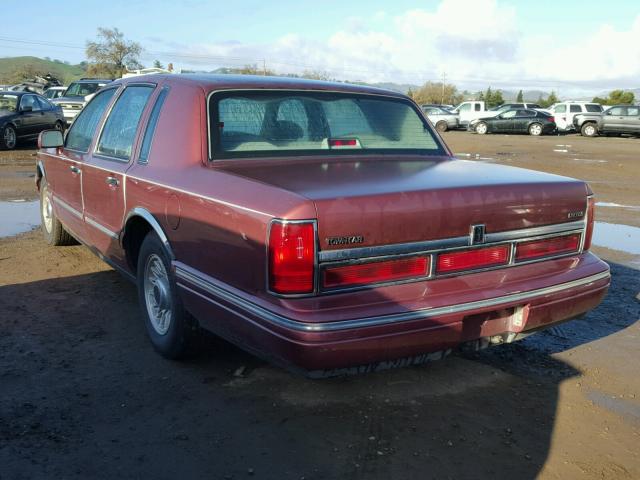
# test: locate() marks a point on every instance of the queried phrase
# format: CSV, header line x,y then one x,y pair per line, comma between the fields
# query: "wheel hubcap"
x,y
47,211
589,130
9,137
481,128
157,294
535,130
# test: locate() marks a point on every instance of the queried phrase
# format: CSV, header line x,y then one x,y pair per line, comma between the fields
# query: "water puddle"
x,y
616,205
589,160
18,216
617,237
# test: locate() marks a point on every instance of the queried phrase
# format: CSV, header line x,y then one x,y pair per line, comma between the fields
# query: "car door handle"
x,y
74,169
112,181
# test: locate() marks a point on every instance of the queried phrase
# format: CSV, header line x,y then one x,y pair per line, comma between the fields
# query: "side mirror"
x,y
26,108
50,139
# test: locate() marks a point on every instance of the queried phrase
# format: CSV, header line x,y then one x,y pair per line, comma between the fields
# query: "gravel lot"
x,y
84,395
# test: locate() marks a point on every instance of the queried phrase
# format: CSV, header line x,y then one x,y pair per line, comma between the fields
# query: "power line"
x,y
225,59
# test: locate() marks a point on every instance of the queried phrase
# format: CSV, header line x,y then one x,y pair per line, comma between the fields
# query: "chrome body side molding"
x,y
188,278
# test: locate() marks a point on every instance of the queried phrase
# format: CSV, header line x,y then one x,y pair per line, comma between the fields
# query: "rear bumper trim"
x,y
246,306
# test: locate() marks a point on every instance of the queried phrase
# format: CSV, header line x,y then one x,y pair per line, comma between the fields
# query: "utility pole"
x,y
264,67
444,79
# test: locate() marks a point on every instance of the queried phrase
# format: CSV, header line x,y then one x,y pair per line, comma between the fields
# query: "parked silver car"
x,y
441,118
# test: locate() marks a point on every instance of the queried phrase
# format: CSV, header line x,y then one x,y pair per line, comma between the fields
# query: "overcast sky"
x,y
572,46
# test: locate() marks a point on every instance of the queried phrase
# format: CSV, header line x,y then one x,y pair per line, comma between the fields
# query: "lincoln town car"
x,y
323,226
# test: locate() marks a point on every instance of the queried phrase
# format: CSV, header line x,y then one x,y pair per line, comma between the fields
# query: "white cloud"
x,y
476,44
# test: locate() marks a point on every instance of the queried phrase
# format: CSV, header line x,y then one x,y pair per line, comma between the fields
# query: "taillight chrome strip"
x,y
449,243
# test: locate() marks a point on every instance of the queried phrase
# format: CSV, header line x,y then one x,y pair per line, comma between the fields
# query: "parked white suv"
x,y
565,111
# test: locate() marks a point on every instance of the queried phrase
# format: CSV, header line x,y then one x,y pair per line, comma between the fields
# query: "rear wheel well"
x,y
135,232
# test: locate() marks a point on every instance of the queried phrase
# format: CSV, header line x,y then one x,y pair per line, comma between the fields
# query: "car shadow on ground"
x,y
85,396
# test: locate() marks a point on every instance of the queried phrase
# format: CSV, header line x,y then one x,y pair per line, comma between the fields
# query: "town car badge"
x,y
346,240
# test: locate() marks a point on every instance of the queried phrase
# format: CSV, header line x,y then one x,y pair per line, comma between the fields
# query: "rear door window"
x,y
593,108
84,126
119,132
561,109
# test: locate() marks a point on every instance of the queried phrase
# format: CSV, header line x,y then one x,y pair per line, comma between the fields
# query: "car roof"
x,y
210,82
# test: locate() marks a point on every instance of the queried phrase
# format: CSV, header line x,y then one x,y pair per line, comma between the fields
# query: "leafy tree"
x,y
520,97
111,54
550,100
493,99
157,64
616,97
481,97
432,92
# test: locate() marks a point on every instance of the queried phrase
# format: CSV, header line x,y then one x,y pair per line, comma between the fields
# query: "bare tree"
x,y
111,54
436,92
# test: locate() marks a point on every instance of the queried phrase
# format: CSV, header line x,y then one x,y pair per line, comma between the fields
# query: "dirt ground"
x,y
82,394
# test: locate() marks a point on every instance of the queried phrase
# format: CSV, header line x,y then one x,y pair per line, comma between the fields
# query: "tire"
x,y
481,128
52,230
170,328
442,126
589,130
535,129
8,138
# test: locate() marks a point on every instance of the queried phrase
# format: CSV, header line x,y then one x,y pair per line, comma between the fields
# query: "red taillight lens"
x,y
552,119
292,253
472,259
591,216
375,272
548,246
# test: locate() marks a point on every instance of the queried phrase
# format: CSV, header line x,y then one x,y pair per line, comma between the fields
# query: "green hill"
x,y
16,69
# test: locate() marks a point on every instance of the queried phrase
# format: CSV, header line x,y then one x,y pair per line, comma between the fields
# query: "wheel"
x,y
589,130
170,328
535,129
481,128
442,126
8,138
53,231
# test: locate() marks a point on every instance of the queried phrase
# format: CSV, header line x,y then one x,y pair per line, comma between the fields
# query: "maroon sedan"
x,y
320,225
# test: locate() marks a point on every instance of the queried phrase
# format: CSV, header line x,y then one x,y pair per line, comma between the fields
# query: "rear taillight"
x,y
375,272
472,259
547,247
292,255
591,216
552,119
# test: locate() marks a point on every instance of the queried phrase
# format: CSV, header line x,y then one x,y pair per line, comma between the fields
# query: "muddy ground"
x,y
82,394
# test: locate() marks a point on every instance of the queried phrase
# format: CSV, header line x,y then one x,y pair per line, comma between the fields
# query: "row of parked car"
x,y
31,107
25,112
590,119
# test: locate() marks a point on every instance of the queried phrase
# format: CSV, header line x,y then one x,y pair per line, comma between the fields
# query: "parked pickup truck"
x,y
473,110
321,225
617,119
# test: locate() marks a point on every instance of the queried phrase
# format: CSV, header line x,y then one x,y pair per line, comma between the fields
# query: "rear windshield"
x,y
250,124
